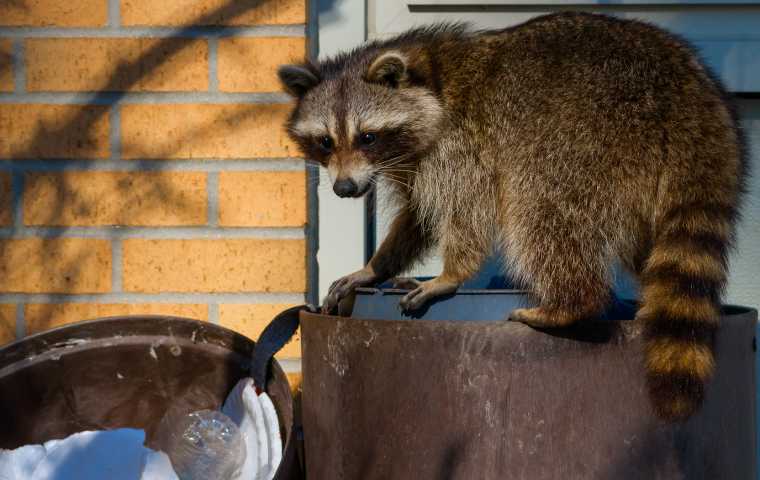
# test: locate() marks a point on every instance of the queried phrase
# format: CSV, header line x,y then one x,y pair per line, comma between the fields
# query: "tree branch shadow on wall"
x,y
6,60
17,4
81,129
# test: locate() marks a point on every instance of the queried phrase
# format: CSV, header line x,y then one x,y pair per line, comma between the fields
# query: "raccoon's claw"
x,y
344,286
425,292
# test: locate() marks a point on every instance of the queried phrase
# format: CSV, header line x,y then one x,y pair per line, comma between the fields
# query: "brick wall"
x,y
143,165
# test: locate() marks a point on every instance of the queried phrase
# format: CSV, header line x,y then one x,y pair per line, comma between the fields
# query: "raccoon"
x,y
568,142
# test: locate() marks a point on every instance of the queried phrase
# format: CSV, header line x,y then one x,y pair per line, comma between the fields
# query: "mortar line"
x,y
139,165
117,262
212,188
114,13
19,67
155,233
17,200
213,64
20,321
144,98
163,298
213,313
122,31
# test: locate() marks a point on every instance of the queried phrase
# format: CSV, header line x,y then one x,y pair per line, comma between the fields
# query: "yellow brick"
x,y
205,131
6,200
40,317
250,64
7,323
233,265
50,13
250,320
115,198
62,265
49,131
212,12
262,199
6,65
114,64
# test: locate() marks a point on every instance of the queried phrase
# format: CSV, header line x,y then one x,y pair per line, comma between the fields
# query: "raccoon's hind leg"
x,y
562,259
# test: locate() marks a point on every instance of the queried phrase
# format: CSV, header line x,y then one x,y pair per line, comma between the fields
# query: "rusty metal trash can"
x,y
426,399
127,372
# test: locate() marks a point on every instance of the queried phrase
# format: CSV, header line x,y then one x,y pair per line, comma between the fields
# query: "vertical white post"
x,y
341,26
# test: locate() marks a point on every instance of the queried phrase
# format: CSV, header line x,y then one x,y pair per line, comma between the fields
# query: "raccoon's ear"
x,y
388,69
297,79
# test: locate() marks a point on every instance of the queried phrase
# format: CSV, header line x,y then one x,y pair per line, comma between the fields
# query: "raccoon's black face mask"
x,y
361,118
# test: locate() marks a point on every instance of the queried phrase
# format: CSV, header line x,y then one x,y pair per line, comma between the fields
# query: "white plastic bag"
x,y
257,419
120,454
112,454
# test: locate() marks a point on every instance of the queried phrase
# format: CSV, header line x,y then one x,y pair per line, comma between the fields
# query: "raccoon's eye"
x,y
326,143
367,138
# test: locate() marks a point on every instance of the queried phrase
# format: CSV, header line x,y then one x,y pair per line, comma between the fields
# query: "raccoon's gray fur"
x,y
569,141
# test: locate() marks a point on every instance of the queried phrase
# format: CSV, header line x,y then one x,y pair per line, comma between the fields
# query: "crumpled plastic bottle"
x,y
204,445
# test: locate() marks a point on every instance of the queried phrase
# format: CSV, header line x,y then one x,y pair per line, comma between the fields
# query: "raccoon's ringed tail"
x,y
681,288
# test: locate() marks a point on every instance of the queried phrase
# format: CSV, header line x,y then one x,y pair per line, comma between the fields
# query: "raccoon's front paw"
x,y
344,286
427,291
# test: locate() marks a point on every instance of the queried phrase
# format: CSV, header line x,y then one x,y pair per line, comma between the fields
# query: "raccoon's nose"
x,y
345,188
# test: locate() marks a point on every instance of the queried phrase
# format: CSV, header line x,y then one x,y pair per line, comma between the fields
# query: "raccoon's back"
x,y
595,95
590,67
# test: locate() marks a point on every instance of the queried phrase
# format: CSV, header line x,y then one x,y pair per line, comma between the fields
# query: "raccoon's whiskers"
x,y
394,178
392,161
398,173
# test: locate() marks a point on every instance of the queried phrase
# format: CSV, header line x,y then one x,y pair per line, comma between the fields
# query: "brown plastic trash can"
x,y
426,399
126,372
